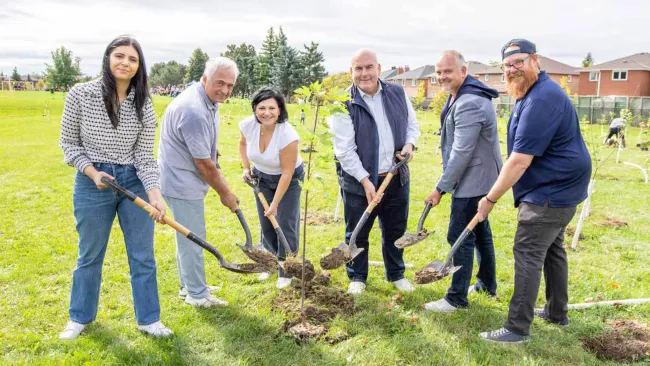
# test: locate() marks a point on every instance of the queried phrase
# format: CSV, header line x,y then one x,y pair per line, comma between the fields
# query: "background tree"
x,y
169,73
312,64
588,60
245,57
341,80
15,76
196,65
264,62
64,71
420,96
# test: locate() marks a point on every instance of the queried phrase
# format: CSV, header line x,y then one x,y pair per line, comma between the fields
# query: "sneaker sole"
x,y
504,343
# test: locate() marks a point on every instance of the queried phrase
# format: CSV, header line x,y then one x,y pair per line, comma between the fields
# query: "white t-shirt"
x,y
617,122
269,161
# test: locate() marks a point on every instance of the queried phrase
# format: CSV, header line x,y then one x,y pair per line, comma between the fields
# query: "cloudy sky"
x,y
402,32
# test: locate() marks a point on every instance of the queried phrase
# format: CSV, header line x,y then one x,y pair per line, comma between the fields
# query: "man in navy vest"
x,y
548,168
379,128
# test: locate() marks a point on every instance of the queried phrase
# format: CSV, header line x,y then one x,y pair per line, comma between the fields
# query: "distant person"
x,y
271,144
302,116
107,131
616,128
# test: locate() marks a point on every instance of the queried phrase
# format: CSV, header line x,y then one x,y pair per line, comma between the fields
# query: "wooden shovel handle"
x,y
265,204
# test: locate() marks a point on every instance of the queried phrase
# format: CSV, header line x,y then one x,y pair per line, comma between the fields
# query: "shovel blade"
x,y
411,239
437,265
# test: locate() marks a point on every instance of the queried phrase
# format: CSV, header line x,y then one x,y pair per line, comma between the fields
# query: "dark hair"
x,y
265,93
139,81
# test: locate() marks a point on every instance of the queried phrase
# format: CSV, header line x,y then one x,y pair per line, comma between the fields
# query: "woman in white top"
x,y
271,145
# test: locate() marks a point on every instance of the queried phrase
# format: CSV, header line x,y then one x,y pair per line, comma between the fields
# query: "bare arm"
x,y
215,179
513,169
246,164
288,158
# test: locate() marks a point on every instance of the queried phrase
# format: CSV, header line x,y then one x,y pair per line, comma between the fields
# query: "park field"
x,y
38,249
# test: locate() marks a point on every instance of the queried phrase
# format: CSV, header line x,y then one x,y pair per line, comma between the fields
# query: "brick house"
x,y
625,76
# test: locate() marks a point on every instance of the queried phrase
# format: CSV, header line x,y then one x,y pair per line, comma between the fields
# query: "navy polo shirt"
x,y
544,123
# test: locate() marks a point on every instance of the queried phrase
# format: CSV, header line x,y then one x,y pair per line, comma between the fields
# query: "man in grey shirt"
x,y
187,157
471,160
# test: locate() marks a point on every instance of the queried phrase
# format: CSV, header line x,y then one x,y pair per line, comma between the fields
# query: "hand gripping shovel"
x,y
436,270
239,268
345,253
411,239
290,265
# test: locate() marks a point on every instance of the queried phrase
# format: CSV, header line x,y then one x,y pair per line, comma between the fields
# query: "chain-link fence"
x,y
598,110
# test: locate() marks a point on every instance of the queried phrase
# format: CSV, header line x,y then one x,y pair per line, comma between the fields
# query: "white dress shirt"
x,y
345,147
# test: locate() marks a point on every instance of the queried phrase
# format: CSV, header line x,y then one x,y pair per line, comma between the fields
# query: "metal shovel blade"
x,y
339,256
408,239
434,271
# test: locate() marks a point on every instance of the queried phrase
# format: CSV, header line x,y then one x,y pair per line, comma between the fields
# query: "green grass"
x,y
38,248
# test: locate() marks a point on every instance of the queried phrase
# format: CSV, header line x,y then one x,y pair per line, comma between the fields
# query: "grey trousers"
x,y
539,245
189,256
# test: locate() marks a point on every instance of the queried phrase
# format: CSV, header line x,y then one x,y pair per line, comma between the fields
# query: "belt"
x,y
385,174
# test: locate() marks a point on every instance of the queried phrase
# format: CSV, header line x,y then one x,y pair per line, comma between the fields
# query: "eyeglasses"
x,y
518,64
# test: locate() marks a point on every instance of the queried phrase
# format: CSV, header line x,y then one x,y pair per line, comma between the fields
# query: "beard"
x,y
518,83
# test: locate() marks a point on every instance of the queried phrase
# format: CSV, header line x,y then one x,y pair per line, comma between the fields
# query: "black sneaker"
x,y
503,336
541,313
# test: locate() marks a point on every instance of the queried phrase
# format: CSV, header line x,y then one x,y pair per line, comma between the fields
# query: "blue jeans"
x,y
392,211
462,212
288,213
95,212
189,255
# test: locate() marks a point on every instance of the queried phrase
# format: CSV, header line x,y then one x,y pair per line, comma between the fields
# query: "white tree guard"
x,y
608,303
583,214
645,172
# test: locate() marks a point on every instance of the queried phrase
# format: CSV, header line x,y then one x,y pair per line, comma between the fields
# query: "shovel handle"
x,y
461,239
168,220
278,231
423,217
384,184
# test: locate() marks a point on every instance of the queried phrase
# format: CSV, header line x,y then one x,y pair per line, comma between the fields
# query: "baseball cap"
x,y
525,46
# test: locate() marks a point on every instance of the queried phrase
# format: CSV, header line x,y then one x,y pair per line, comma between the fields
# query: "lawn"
x,y
38,248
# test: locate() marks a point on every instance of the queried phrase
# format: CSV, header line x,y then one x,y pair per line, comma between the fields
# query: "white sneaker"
x,y
283,282
356,288
72,331
182,293
264,276
156,329
440,306
471,289
205,302
404,285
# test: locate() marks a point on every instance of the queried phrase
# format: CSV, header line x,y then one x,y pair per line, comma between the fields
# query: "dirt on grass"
x,y
411,239
570,231
322,304
613,222
626,341
294,267
314,219
335,259
428,275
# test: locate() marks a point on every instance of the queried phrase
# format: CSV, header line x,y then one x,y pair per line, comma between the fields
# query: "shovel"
x,y
411,239
437,270
239,268
254,183
344,253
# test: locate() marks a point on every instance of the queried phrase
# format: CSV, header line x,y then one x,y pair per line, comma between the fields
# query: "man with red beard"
x,y
548,169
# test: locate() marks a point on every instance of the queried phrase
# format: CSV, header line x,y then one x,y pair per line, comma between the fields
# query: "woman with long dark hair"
x,y
107,130
271,144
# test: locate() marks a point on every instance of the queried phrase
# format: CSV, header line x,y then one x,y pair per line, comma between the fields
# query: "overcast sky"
x,y
402,32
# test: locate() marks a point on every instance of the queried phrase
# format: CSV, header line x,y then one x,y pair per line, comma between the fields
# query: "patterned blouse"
x,y
87,135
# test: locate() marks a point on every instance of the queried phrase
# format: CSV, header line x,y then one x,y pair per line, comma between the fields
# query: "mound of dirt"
x,y
314,219
322,304
427,275
627,341
294,267
570,231
262,256
335,259
256,267
613,222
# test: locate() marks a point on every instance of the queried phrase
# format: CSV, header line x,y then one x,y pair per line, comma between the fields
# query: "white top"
x,y
268,162
617,122
345,147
